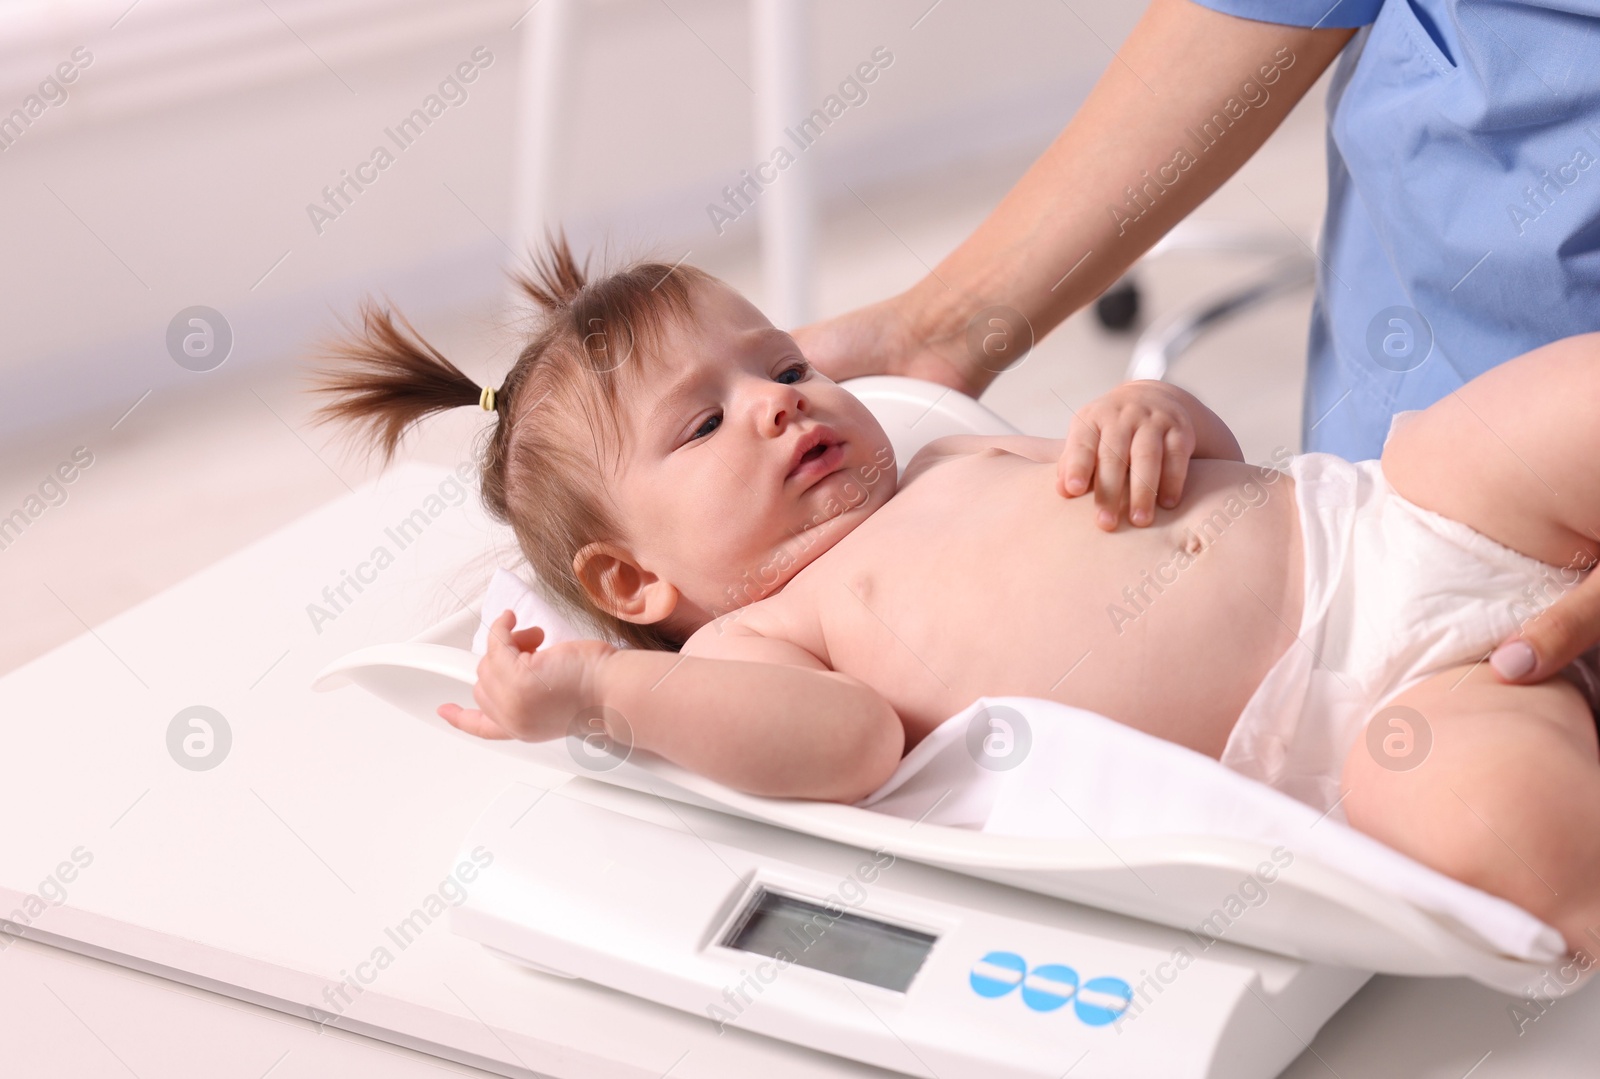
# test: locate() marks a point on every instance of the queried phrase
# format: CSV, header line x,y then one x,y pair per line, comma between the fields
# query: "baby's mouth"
x,y
818,461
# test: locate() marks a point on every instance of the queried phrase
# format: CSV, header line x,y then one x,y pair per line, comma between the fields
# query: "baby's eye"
x,y
799,370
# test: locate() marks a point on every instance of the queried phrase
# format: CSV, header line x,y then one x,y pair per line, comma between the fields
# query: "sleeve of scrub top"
x,y
1326,14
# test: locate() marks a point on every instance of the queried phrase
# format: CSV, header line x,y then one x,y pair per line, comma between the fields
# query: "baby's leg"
x,y
1506,798
1515,453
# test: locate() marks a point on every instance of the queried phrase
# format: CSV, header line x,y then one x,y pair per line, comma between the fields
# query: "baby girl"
x,y
795,616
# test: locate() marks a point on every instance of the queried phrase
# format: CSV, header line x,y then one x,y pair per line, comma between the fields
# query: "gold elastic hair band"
x,y
486,399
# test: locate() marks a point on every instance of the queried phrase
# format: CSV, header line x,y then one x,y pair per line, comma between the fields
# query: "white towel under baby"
x,y
1030,767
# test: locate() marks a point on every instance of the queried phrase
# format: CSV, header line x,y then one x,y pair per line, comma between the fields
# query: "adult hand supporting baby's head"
x,y
1553,639
887,338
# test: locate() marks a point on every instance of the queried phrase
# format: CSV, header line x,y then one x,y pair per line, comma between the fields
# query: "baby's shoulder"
x,y
752,633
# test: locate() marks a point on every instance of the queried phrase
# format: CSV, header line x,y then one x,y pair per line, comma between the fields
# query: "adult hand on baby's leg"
x,y
1138,438
1554,639
526,692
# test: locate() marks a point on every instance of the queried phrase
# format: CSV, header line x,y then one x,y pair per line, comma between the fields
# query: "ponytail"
x,y
384,379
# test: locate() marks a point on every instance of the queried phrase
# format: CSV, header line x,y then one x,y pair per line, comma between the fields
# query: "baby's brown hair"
x,y
383,379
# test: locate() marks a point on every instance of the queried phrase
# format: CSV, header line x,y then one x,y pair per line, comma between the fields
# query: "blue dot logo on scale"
x,y
1051,986
997,973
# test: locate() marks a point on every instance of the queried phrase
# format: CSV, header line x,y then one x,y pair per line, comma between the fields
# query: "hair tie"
x,y
486,399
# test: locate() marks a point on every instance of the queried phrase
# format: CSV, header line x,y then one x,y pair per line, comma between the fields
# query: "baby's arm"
x,y
755,713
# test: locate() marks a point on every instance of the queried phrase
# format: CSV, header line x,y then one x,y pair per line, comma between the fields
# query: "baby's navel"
x,y
1192,542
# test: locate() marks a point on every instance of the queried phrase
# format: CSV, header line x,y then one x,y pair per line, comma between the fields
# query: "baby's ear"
x,y
617,584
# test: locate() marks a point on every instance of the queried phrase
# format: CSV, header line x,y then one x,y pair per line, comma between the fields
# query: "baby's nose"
x,y
786,408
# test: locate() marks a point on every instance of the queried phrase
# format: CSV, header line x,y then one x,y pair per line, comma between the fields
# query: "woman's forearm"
x,y
765,728
1191,95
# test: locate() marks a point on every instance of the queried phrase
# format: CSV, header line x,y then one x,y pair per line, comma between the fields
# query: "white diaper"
x,y
1393,593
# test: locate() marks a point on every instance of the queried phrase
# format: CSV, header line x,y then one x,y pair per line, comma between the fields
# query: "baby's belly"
x,y
979,580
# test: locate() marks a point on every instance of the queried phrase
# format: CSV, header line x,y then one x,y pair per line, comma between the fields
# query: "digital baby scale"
x,y
869,956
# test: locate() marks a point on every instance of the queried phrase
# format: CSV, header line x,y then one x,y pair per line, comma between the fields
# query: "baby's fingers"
x,y
1144,465
1111,475
500,632
528,638
1175,467
472,721
1076,468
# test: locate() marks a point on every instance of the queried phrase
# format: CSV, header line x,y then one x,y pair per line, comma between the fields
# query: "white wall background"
x,y
178,170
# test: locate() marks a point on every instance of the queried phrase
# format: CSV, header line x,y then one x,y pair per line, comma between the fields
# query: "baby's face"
x,y
710,494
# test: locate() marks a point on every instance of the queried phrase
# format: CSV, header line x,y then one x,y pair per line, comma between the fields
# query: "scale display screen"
x,y
830,939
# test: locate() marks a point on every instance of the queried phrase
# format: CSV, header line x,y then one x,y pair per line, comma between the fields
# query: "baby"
x,y
799,616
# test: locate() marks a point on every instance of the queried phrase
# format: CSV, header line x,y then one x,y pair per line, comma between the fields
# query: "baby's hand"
x,y
526,692
1141,429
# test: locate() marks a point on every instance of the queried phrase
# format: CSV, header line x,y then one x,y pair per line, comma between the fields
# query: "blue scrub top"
x,y
1463,187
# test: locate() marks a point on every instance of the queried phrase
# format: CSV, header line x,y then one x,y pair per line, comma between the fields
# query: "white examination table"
x,y
275,875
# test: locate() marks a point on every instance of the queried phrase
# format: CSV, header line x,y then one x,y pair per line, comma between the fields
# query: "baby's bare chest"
x,y
978,579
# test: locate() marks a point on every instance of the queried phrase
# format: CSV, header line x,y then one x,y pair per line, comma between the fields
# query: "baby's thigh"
x,y
1515,453
1496,785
